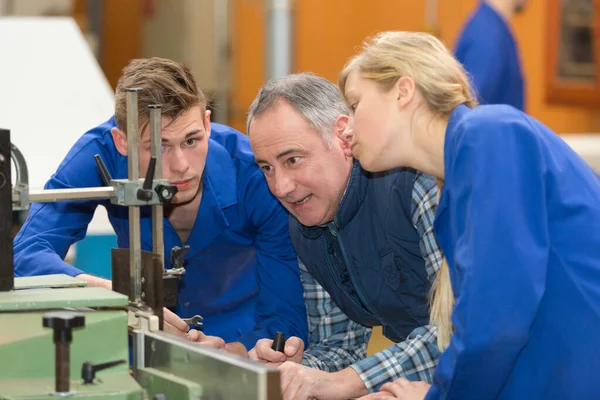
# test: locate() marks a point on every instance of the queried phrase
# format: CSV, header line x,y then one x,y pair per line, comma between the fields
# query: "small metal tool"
x,y
196,321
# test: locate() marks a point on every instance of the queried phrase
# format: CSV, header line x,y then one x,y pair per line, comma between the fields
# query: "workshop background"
x,y
233,46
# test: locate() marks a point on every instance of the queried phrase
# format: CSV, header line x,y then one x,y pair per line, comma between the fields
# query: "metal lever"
x,y
145,194
178,257
106,178
88,370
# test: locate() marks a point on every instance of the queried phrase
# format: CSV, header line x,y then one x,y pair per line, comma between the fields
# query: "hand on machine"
x,y
276,352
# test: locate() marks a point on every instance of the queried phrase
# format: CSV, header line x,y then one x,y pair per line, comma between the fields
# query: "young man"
x,y
241,271
366,243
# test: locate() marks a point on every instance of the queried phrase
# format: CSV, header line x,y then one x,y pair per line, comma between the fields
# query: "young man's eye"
x,y
266,168
191,142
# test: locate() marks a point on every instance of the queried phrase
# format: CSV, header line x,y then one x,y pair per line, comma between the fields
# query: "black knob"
x,y
88,370
165,193
279,342
63,322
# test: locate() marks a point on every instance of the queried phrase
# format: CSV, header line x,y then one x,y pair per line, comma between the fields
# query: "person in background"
x,y
488,51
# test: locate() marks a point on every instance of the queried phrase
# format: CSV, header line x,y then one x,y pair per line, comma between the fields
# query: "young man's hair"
x,y
164,82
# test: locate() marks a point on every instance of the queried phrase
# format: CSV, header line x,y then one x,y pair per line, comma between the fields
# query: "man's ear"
x,y
120,140
343,133
207,122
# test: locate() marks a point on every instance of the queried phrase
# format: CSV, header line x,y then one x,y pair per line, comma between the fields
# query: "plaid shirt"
x,y
336,342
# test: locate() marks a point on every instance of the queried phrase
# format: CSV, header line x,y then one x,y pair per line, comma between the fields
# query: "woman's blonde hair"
x,y
444,85
438,76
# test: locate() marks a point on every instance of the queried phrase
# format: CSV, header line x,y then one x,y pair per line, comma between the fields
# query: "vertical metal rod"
x,y
279,38
62,362
7,268
222,60
135,253
158,246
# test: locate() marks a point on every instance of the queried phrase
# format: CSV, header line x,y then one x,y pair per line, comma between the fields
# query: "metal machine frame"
x,y
164,365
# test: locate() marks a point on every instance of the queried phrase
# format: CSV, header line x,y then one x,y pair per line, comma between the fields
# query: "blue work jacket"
x,y
241,274
518,222
487,49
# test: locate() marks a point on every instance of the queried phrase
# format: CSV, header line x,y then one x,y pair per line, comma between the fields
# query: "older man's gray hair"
x,y
316,99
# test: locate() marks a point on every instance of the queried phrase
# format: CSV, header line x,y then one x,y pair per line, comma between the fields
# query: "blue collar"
x,y
220,175
456,118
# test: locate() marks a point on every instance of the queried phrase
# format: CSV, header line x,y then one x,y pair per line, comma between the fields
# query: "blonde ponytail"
x,y
442,300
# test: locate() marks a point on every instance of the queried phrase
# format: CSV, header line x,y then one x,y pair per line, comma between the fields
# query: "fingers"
x,y
171,329
397,387
294,346
212,341
173,320
264,352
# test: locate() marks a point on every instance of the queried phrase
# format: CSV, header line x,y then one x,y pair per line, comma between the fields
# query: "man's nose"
x,y
283,185
178,161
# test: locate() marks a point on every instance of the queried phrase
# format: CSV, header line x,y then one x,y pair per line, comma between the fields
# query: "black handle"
x,y
279,342
106,178
145,193
88,370
178,255
150,173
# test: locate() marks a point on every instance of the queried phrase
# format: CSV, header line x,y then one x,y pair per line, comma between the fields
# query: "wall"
x,y
328,33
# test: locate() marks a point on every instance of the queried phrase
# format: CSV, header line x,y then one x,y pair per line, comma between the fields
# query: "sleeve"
x,y
482,62
280,306
424,201
501,251
335,340
413,359
51,228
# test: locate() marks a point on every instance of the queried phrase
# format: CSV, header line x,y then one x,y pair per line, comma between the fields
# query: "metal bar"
x,y
158,245
222,27
52,195
279,38
135,246
7,270
62,363
246,379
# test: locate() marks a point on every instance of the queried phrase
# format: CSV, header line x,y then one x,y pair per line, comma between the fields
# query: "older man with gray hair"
x,y
365,241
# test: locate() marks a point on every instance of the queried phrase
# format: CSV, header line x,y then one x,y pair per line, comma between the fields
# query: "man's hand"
x,y
406,390
293,351
212,341
174,324
300,383
378,396
94,281
400,389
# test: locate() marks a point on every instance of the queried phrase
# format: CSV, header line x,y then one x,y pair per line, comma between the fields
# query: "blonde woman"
x,y
517,221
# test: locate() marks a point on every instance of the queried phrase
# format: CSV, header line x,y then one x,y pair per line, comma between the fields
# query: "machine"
x,y
60,338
